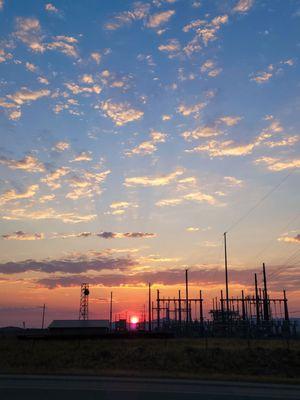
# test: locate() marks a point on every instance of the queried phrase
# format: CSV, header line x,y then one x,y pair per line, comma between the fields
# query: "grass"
x,y
265,360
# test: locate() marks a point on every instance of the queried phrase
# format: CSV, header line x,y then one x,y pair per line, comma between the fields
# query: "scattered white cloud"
x,y
20,235
96,57
61,146
49,213
161,180
232,181
51,8
230,120
243,6
149,146
26,95
289,239
194,110
171,46
52,179
160,18
120,113
11,195
275,164
83,156
28,163
202,132
209,66
125,18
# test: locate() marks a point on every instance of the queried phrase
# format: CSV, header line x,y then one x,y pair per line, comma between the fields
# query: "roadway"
x,y
15,387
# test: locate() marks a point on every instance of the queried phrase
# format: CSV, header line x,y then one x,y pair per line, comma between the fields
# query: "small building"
x,y
79,327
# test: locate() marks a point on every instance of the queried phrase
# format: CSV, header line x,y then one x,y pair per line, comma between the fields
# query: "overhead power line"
x,y
256,205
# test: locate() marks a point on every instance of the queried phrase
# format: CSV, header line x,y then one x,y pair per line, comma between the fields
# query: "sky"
x,y
133,135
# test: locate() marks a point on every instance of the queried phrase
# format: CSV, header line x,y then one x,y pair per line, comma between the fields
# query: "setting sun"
x,y
134,320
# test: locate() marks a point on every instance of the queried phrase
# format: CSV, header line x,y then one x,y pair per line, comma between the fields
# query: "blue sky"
x,y
135,133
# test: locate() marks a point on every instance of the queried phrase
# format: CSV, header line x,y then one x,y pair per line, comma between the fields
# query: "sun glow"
x,y
134,320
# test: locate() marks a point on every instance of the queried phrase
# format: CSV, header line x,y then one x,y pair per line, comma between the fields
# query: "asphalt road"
x,y
90,388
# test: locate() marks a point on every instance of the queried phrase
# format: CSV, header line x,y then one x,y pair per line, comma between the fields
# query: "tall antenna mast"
x,y
226,272
84,302
110,311
149,308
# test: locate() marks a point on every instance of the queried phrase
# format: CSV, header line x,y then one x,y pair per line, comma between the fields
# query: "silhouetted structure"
x,y
84,302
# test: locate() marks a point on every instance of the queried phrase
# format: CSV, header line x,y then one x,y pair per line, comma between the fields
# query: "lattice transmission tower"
x,y
84,301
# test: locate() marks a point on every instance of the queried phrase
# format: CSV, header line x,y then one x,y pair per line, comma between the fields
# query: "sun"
x,y
134,320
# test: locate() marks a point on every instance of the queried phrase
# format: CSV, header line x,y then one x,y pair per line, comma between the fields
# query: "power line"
x,y
260,201
288,260
293,219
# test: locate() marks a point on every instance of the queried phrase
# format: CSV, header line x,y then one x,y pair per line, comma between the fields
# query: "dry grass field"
x,y
264,360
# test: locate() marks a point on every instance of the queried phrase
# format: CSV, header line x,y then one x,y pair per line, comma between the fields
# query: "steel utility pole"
x,y
110,311
266,306
187,296
226,273
43,317
149,308
256,301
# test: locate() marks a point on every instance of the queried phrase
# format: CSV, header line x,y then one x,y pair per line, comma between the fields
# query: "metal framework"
x,y
84,302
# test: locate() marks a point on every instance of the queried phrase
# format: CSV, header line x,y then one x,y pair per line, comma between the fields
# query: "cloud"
x,y
201,132
26,95
28,163
230,120
5,56
192,229
232,181
11,195
28,31
120,113
289,239
14,115
51,8
125,18
243,6
69,265
76,89
87,184
119,207
200,197
64,44
30,67
149,146
285,141
262,77
275,164
126,235
83,156
96,57
161,180
210,68
61,146
52,179
221,149
43,80
49,213
205,32
199,276
160,18
171,46
46,198
195,109
169,202
20,235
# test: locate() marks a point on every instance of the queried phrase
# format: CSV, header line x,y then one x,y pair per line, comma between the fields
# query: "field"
x,y
272,360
